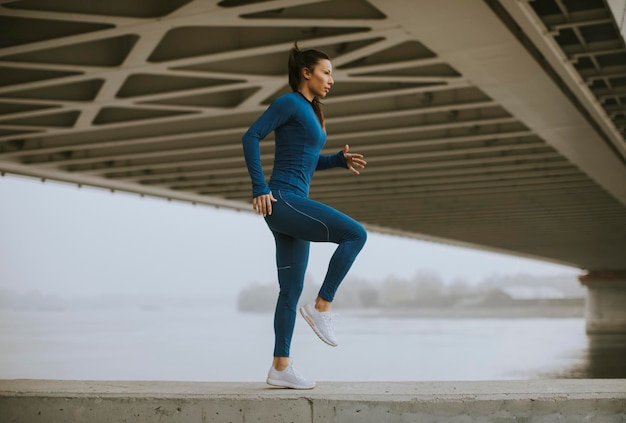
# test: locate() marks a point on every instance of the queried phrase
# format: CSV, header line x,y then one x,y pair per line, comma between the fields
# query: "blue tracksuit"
x,y
296,220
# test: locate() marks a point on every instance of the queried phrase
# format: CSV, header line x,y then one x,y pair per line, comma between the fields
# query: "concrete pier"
x,y
605,305
579,400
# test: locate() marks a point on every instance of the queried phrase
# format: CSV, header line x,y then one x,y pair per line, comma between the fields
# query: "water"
x,y
221,344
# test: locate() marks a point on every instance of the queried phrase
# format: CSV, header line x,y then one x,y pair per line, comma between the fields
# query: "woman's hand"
x,y
353,160
263,204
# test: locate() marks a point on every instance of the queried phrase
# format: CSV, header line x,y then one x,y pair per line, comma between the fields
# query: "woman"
x,y
298,124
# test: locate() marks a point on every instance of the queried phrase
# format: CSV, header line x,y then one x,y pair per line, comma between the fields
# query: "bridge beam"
x,y
605,306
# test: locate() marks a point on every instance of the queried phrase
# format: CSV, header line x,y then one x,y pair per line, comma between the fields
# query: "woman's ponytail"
x,y
295,77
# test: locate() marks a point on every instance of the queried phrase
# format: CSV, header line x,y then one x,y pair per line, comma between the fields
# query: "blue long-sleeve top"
x,y
299,138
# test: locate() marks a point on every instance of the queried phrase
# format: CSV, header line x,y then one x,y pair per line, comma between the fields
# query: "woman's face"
x,y
320,80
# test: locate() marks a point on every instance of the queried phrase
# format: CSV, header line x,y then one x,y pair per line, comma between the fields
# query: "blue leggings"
x,y
295,222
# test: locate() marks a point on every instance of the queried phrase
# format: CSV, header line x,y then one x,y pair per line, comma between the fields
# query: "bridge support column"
x,y
605,306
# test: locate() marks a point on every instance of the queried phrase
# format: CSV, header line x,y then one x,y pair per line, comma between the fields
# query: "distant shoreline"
x,y
519,312
471,312
426,296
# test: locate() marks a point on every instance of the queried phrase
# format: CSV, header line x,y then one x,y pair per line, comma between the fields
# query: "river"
x,y
219,343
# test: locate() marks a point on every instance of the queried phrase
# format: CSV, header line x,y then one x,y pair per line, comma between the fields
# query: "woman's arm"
x,y
276,114
351,161
330,161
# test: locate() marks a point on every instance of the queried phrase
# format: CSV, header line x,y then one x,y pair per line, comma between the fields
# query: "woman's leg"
x,y
351,237
292,256
310,220
295,221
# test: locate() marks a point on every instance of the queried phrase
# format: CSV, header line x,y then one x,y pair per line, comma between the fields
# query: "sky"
x,y
59,239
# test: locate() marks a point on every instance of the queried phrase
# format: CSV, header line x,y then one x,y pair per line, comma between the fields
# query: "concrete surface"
x,y
580,400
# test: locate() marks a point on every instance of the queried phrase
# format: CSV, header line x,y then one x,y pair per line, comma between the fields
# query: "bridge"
x,y
492,124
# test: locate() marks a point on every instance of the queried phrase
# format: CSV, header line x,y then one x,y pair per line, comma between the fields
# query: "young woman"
x,y
298,124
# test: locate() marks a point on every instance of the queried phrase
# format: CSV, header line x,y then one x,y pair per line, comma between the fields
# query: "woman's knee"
x,y
361,235
355,234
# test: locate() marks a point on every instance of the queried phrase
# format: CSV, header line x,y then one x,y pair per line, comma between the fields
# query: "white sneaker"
x,y
320,322
288,378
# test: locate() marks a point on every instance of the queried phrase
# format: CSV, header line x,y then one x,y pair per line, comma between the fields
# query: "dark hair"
x,y
300,59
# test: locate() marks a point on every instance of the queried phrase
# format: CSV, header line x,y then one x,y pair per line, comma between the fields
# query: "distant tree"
x,y
496,297
257,298
428,284
369,297
459,288
396,292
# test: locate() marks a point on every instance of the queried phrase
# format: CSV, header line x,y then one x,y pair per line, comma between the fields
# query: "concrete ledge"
x,y
580,400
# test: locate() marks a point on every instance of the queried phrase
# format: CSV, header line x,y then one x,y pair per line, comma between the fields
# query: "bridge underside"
x,y
497,125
